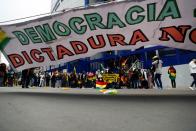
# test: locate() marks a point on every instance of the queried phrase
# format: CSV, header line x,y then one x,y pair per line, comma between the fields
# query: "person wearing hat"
x,y
192,67
157,65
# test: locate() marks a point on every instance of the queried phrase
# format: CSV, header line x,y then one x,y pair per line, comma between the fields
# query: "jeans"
x,y
194,79
173,82
1,81
58,83
158,81
135,84
25,81
41,84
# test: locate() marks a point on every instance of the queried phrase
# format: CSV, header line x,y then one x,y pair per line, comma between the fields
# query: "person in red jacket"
x,y
172,76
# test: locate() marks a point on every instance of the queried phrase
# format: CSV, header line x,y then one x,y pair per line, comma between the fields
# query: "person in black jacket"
x,y
3,74
26,77
53,79
47,79
135,79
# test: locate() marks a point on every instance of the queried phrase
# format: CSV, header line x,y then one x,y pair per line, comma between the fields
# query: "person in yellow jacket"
x,y
172,76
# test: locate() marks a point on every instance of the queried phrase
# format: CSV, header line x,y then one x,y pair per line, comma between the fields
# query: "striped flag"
x,y
101,85
3,39
110,91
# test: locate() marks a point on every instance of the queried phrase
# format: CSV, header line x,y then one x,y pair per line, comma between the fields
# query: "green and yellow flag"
x,y
4,39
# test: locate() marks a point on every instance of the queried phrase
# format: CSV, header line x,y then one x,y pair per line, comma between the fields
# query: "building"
x,y
57,5
170,56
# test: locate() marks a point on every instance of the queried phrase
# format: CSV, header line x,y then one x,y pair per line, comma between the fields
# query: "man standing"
x,y
192,66
26,77
157,65
42,80
3,74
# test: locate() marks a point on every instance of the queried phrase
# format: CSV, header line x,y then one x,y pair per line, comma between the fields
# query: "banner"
x,y
83,32
110,78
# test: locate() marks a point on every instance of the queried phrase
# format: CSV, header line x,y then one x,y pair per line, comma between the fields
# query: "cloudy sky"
x,y
14,9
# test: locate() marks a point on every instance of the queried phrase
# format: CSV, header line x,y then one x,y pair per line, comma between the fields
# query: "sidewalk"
x,y
91,91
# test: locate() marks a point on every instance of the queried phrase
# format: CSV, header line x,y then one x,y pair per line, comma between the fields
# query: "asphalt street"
x,y
54,111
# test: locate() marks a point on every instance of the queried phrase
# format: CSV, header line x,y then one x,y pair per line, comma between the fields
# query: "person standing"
x,y
53,79
3,74
15,79
26,77
172,76
157,65
150,78
65,79
58,79
192,67
47,76
42,80
135,79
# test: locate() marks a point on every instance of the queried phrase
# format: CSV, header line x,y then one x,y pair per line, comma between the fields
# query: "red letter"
x,y
116,38
27,57
93,44
138,35
16,60
48,51
177,34
35,54
79,47
61,51
193,36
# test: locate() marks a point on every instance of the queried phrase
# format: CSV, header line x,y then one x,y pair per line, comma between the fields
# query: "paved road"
x,y
54,111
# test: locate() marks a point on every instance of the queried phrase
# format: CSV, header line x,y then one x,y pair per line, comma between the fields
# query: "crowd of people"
x,y
7,77
56,79
128,78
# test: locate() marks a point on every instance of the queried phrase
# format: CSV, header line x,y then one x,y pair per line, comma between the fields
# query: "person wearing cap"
x,y
192,67
157,64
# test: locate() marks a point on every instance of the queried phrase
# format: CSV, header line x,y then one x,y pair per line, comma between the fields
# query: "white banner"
x,y
81,33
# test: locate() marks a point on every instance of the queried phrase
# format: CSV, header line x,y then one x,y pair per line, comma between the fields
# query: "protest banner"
x,y
84,32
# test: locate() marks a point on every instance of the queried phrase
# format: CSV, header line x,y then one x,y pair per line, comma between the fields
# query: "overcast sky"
x,y
14,9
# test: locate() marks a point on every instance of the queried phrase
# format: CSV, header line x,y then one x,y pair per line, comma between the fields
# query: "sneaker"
x,y
191,88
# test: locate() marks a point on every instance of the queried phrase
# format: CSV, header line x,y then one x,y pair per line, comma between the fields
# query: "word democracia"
x,y
94,21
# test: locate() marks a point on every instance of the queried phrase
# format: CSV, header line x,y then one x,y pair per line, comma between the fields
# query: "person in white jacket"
x,y
42,77
192,67
157,65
